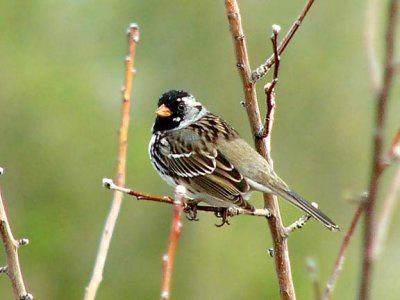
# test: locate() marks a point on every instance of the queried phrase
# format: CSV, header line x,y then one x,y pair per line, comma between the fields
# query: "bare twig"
x,y
297,224
378,165
233,211
269,87
11,245
382,225
386,215
169,257
389,201
97,275
281,251
341,255
266,66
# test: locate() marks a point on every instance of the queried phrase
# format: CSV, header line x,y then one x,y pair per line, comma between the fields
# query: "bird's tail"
x,y
305,206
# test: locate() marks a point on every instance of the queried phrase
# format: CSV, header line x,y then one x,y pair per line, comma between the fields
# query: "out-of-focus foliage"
x,y
61,73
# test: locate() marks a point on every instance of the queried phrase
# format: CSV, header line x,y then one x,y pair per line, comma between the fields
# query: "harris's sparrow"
x,y
192,147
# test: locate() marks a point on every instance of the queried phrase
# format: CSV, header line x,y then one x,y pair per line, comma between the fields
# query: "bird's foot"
x,y
190,210
225,213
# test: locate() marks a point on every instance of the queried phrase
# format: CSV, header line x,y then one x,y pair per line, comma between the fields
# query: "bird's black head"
x,y
176,109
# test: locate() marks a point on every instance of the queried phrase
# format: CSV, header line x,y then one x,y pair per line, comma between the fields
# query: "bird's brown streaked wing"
x,y
190,164
220,188
209,172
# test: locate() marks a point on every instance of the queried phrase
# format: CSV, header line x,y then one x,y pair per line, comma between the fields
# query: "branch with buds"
x,y
232,211
97,275
169,257
11,246
262,133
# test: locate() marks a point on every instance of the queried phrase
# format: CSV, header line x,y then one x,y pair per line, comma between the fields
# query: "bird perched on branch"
x,y
192,147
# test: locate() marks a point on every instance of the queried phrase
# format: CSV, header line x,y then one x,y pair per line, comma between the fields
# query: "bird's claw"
x,y
225,213
190,210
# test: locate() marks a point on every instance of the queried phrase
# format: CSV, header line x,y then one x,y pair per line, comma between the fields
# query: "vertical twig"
x,y
97,275
11,245
281,251
377,164
269,88
169,257
341,255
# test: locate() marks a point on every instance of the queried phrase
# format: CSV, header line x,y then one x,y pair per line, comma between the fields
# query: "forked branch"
x,y
382,98
266,66
262,133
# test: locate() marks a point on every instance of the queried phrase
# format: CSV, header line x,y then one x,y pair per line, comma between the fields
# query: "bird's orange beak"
x,y
163,111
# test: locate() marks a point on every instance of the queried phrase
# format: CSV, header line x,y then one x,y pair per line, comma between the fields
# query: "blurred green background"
x,y
62,68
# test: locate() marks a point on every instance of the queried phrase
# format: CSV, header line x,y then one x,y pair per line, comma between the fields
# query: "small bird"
x,y
192,147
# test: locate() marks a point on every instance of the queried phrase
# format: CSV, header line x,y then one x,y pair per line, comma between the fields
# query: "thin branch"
x,y
389,202
378,165
341,255
297,224
232,211
269,88
386,215
382,225
266,66
11,245
169,257
281,251
97,275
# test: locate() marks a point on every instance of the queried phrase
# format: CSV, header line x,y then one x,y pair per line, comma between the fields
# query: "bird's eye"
x,y
181,106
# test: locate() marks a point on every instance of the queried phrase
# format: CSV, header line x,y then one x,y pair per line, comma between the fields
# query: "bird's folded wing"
x,y
208,171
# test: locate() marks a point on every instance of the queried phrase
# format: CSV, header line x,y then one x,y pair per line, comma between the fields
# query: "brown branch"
x,y
169,257
281,251
232,211
378,165
97,275
342,251
266,66
11,246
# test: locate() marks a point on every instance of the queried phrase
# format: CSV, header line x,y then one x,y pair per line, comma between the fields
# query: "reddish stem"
x,y
340,257
97,275
169,257
378,159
